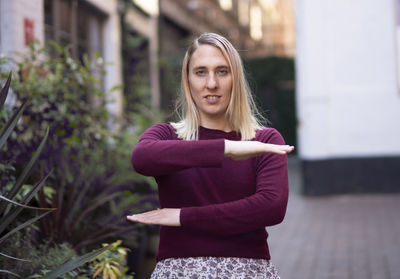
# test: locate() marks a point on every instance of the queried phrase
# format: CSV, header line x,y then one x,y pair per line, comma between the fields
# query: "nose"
x,y
212,81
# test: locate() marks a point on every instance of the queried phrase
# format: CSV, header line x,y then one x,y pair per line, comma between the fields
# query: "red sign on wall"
x,y
29,30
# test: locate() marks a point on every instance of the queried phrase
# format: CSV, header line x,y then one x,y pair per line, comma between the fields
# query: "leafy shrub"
x,y
10,209
40,256
92,174
111,263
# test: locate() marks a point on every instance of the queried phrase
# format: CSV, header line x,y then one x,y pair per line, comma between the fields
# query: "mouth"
x,y
212,97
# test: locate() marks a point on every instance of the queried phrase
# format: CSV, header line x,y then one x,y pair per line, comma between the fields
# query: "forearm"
x,y
242,150
158,157
160,152
267,207
228,218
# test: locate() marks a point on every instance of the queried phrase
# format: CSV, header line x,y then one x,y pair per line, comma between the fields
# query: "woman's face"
x,y
210,82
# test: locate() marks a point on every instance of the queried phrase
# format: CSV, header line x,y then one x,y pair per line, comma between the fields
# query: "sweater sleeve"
x,y
159,152
266,207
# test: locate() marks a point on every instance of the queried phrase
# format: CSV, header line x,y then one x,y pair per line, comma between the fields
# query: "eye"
x,y
200,72
222,72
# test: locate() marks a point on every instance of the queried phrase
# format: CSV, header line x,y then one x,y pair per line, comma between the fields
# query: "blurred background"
x,y
97,73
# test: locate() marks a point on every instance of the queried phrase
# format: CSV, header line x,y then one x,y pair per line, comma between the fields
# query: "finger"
x,y
142,216
143,219
132,218
286,148
149,213
282,149
150,217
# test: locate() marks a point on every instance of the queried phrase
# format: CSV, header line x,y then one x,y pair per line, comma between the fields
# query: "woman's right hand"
x,y
242,150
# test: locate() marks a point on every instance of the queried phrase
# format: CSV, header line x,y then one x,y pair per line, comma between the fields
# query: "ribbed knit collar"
x,y
207,133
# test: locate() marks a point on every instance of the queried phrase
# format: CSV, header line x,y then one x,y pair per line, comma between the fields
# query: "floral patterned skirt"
x,y
213,268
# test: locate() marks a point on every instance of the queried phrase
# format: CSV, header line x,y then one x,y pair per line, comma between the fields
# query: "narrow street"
x,y
337,237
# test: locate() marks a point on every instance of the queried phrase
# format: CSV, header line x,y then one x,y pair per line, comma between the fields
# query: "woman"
x,y
222,177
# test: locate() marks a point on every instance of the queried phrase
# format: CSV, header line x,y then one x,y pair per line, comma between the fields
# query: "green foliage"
x,y
63,94
47,257
110,264
41,256
73,264
10,209
91,159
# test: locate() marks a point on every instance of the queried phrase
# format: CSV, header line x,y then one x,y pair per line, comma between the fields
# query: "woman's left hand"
x,y
163,217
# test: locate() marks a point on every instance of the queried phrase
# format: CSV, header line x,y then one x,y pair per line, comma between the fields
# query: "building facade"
x,y
90,27
256,27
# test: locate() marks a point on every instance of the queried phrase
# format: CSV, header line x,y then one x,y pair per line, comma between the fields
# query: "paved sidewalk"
x,y
338,237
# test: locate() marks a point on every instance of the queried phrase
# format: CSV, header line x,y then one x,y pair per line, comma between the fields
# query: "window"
x,y
74,23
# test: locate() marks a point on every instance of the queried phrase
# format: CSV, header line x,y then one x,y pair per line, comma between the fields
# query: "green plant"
x,y
8,213
41,255
73,264
108,265
92,172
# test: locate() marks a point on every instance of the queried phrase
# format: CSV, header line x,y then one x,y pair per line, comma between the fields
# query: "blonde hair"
x,y
242,114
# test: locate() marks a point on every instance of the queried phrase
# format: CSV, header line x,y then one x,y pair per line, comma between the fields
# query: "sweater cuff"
x,y
187,217
197,217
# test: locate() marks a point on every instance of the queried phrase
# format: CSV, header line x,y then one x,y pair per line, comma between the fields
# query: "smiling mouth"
x,y
212,97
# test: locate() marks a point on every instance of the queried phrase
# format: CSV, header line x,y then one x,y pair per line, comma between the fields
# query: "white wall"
x,y
6,27
348,102
12,14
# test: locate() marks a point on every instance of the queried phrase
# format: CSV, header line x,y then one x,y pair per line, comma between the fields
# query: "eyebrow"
x,y
218,67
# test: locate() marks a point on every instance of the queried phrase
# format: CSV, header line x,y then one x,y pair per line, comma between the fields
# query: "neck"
x,y
216,124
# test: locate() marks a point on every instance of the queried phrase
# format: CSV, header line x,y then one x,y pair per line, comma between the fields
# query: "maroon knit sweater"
x,y
226,204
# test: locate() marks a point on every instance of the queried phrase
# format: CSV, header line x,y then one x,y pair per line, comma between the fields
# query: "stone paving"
x,y
337,237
